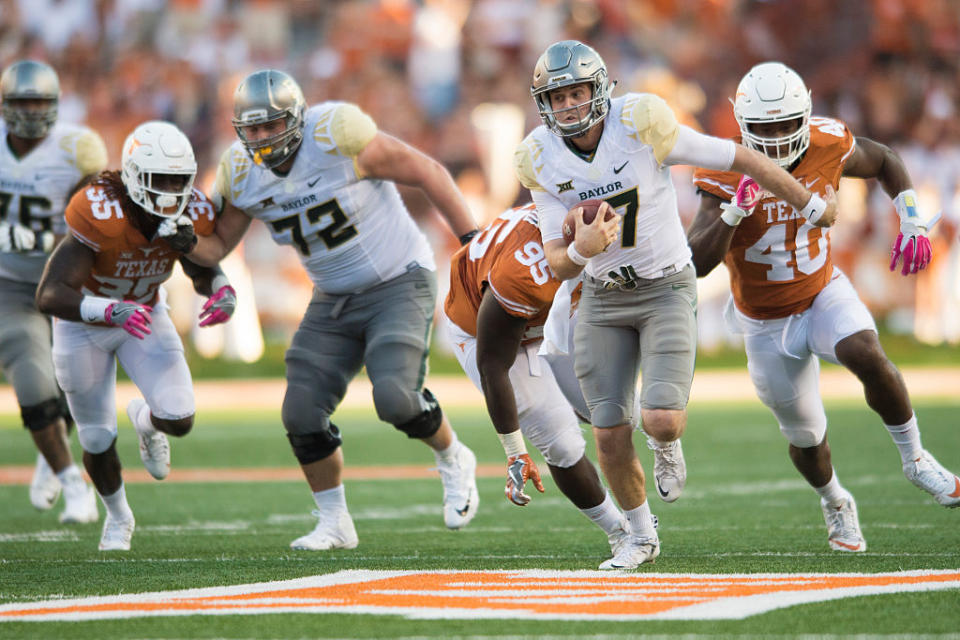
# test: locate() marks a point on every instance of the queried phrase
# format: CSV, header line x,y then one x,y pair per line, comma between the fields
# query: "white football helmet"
x,y
773,92
158,168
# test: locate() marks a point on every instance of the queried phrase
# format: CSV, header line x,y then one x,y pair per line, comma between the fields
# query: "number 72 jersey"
x,y
778,262
349,232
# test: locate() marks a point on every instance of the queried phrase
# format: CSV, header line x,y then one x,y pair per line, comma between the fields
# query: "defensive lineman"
x,y
639,291
322,180
42,162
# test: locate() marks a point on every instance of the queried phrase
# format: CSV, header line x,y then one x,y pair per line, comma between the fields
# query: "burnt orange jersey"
x,y
507,257
127,266
778,262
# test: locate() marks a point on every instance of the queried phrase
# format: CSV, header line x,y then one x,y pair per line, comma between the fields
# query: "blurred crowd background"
x,y
452,78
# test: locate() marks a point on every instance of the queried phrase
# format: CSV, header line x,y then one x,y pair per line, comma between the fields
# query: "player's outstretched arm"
x,y
232,223
498,338
817,211
387,158
69,266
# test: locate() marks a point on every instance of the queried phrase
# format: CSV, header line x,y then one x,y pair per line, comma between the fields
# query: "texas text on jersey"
x,y
778,262
128,266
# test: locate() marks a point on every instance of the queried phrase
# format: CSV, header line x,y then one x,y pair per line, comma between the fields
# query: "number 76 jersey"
x,y
778,262
350,233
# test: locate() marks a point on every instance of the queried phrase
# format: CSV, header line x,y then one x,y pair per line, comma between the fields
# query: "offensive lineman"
x,y
322,180
42,163
638,304
103,283
501,289
792,305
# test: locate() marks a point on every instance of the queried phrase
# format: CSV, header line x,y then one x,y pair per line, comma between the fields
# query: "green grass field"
x,y
745,510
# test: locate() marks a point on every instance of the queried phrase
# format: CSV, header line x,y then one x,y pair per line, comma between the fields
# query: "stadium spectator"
x,y
103,282
42,162
638,307
323,181
790,302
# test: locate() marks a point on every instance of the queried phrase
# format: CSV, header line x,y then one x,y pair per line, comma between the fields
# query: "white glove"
x,y
16,237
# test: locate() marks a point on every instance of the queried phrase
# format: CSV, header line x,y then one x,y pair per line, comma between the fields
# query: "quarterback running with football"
x,y
638,307
792,305
103,285
501,290
323,181
42,162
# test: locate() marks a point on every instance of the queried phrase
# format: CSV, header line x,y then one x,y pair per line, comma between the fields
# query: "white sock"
x,y
331,500
907,438
448,454
116,503
640,521
833,492
142,422
605,515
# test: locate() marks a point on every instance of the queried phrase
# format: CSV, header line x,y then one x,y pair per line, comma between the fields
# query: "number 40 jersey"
x,y
34,188
351,233
779,262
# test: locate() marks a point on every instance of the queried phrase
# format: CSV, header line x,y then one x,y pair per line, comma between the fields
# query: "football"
x,y
590,208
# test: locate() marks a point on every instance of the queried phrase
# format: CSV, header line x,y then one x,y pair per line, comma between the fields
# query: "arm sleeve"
x,y
551,213
351,129
701,150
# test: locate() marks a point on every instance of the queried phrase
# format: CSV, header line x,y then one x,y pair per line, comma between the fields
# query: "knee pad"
x,y
608,414
427,422
310,447
300,413
564,451
173,403
39,416
804,435
96,439
664,395
395,401
65,411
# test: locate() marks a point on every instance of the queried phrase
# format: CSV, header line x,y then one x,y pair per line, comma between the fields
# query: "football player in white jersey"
x,y
42,163
322,180
790,302
638,308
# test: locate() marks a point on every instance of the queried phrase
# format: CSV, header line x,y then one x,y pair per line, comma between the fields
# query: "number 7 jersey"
x,y
350,233
779,262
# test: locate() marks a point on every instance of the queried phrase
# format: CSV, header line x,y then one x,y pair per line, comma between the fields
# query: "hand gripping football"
x,y
590,208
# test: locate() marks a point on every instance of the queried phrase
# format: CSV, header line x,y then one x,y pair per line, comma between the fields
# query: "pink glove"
x,y
915,250
132,316
748,193
219,307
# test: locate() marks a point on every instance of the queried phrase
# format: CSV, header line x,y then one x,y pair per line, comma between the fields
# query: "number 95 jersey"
x,y
779,262
34,189
508,258
350,233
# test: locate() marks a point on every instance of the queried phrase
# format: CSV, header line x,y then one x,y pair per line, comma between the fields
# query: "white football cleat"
x,y
843,526
669,469
633,551
117,533
460,496
330,533
44,486
154,447
80,503
932,477
619,537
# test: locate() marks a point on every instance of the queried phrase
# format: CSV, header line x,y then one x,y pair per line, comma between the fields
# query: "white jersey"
x,y
351,233
34,189
627,170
